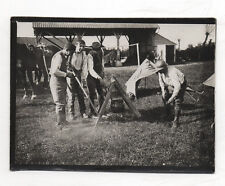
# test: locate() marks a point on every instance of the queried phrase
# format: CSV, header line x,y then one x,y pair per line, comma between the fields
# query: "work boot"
x,y
71,117
175,124
84,116
25,96
61,118
65,125
176,118
93,116
33,96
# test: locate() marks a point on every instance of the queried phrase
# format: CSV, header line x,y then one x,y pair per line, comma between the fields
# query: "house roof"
x,y
89,28
32,40
26,40
91,25
160,40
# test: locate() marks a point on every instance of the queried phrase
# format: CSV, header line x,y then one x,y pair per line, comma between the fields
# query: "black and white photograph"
x,y
113,94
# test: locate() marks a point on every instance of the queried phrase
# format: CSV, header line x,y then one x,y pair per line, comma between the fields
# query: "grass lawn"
x,y
120,139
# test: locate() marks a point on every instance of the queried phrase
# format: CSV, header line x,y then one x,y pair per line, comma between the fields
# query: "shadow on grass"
x,y
196,110
153,115
150,115
200,118
34,104
145,92
31,116
188,106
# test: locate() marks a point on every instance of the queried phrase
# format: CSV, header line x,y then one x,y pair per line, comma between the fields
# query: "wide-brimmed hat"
x,y
82,42
161,64
96,45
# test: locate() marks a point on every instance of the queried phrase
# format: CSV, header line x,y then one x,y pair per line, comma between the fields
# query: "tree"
x,y
208,29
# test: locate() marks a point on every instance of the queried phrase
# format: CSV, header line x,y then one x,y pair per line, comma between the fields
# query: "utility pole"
x,y
178,44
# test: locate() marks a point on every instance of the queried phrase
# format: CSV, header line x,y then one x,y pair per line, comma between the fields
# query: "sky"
x,y
187,33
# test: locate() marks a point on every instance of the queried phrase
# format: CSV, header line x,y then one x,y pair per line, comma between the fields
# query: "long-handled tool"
x,y
45,64
195,91
195,100
78,81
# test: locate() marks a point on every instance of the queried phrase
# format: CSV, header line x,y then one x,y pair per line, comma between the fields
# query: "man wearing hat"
x,y
58,84
79,66
173,85
95,74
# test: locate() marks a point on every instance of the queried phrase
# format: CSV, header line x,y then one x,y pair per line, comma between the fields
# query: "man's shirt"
x,y
79,62
58,65
173,77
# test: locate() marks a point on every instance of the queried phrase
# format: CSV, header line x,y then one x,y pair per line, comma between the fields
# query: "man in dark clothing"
x,y
95,74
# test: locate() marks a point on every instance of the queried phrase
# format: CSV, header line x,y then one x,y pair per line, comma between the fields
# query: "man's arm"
x,y
90,68
177,87
162,85
55,68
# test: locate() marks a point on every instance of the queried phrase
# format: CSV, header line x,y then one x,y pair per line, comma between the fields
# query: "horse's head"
x,y
19,63
30,47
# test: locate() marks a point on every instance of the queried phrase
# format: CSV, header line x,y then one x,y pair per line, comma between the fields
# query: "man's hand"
x,y
84,83
102,82
99,78
69,74
163,95
169,101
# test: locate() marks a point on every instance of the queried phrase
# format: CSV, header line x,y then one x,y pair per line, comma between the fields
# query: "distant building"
x,y
152,41
165,48
136,32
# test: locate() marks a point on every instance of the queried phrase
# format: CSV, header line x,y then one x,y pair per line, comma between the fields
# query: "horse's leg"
x,y
36,76
24,84
33,88
45,77
39,75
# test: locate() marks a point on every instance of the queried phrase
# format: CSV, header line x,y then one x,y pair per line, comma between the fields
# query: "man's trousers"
x,y
74,89
93,85
58,89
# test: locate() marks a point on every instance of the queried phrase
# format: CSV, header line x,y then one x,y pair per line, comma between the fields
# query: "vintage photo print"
x,y
121,94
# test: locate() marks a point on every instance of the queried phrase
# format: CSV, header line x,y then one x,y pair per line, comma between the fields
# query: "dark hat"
x,y
69,46
96,45
82,42
150,56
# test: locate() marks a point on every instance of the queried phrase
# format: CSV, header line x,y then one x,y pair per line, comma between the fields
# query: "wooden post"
x,y
55,37
53,43
103,107
45,63
138,56
101,39
70,39
118,46
127,38
117,85
126,99
38,39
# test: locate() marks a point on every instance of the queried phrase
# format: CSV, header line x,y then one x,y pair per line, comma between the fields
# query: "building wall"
x,y
150,41
145,40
